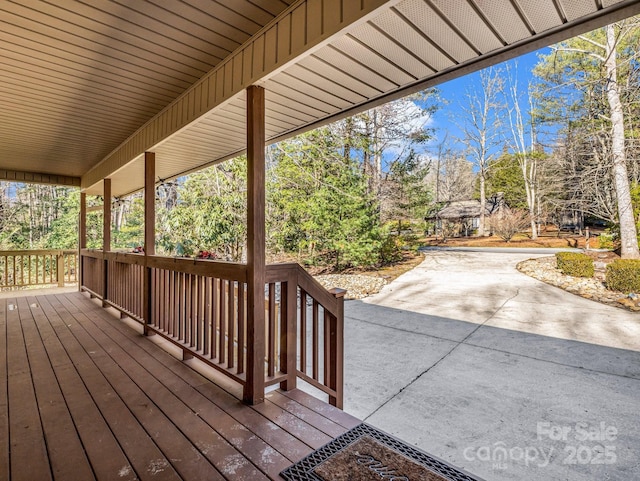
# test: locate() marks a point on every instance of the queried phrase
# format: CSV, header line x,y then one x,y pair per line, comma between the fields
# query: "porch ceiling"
x,y
87,87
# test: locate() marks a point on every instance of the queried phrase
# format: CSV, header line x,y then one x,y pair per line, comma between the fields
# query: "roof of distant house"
x,y
465,209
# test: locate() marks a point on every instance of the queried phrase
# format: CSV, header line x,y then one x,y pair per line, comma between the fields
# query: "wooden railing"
x,y
25,268
201,306
305,325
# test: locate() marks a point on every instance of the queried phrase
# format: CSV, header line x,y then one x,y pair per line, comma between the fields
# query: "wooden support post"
x,y
336,349
106,237
149,234
150,203
82,237
289,330
60,268
255,374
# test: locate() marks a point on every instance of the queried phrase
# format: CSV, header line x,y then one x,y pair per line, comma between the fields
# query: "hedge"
x,y
624,275
575,264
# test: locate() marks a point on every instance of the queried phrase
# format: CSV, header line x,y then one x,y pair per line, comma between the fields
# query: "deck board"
x,y
144,455
85,396
218,420
66,455
4,401
29,459
100,445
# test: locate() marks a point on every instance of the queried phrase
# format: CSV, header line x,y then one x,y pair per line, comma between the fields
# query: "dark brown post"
x,y
336,349
254,386
149,232
150,203
82,237
289,329
106,236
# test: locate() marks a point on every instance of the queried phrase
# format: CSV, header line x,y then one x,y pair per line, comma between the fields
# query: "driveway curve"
x,y
502,375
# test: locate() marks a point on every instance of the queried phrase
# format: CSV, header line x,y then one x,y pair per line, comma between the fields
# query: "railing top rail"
x,y
37,252
278,272
125,257
232,271
95,253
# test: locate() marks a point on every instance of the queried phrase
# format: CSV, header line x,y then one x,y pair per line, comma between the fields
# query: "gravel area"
x,y
358,286
545,270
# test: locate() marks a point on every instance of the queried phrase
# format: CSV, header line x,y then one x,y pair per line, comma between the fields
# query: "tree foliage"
x,y
596,77
320,207
329,194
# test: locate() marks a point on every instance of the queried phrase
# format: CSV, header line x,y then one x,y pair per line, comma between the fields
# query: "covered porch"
x,y
116,99
86,396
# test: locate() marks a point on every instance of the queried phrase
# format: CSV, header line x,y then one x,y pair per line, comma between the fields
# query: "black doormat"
x,y
366,454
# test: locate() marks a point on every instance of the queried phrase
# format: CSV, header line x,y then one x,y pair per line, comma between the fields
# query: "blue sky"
x,y
450,114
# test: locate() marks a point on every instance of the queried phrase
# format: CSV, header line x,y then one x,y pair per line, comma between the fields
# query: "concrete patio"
x,y
497,373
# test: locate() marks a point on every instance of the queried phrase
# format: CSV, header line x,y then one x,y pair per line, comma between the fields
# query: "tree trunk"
x,y
628,232
483,204
528,172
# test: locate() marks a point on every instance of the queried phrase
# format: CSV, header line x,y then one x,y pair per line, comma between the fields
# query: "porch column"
x,y
149,231
106,235
254,387
150,203
82,236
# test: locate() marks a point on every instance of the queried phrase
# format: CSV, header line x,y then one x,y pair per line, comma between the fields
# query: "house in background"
x,y
460,218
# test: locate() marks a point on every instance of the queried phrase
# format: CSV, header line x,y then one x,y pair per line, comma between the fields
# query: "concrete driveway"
x,y
497,373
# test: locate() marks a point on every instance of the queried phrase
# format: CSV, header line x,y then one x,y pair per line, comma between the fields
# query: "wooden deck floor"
x,y
84,396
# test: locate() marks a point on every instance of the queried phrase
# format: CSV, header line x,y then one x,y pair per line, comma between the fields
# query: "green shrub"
x,y
624,275
606,240
575,264
391,249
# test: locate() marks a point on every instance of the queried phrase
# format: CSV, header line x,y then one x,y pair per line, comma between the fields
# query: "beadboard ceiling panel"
x,y
77,78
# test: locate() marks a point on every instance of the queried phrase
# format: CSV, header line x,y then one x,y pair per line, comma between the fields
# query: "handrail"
x,y
274,272
37,252
207,267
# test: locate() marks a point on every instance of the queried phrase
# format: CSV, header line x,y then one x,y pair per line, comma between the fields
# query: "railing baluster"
x,y
193,310
198,304
188,315
172,304
303,331
271,330
176,305
241,326
231,322
223,320
163,280
315,340
207,316
215,290
326,345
